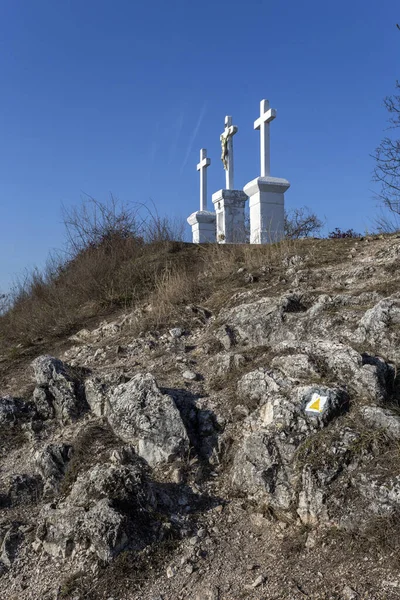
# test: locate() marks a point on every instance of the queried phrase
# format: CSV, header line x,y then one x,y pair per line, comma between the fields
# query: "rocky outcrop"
x,y
141,415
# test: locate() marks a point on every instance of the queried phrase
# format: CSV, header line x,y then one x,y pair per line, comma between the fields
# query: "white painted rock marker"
x,y
317,404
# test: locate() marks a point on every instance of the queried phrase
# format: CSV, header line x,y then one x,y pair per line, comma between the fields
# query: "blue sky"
x,y
101,96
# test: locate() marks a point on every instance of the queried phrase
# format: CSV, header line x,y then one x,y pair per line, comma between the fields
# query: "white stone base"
x,y
203,226
267,209
229,208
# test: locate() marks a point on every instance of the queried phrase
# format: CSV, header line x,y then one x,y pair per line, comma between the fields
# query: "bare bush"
x,y
114,257
338,233
301,222
387,168
93,223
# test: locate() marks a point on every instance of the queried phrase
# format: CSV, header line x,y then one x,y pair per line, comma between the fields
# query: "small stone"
x,y
190,375
189,569
348,593
201,533
36,545
310,541
193,540
259,581
176,332
256,583
252,567
177,475
171,571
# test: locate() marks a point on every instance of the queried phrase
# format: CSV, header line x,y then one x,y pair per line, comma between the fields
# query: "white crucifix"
x,y
227,151
267,115
202,167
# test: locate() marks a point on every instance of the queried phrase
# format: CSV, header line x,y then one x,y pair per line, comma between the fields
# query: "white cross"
x,y
202,167
267,115
227,151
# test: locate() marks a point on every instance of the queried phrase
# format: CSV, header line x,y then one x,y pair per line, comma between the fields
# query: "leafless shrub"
x,y
114,257
301,222
387,168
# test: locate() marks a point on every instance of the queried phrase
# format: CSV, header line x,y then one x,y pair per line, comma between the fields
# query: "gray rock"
x,y
141,415
24,489
62,389
374,327
190,376
99,389
368,376
13,410
226,336
296,366
382,418
256,386
106,510
10,539
176,332
259,470
44,404
312,507
51,463
226,362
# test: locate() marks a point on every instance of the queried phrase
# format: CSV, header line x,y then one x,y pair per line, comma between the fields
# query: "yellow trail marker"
x,y
316,405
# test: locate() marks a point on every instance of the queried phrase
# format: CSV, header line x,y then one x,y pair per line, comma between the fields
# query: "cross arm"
x,y
267,117
206,162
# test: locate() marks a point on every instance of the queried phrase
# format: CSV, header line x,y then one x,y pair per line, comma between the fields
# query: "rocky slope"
x,y
251,451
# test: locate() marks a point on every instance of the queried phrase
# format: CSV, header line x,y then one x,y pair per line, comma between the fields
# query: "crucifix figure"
x,y
267,115
202,167
227,151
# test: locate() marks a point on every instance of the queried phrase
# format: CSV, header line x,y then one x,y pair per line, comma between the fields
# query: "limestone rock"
x,y
51,463
256,386
99,389
10,539
312,500
62,390
376,326
382,418
141,415
296,366
258,469
13,410
226,362
24,489
226,336
106,510
190,376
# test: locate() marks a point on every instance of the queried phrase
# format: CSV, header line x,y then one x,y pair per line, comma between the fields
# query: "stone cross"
x,y
202,167
267,115
227,151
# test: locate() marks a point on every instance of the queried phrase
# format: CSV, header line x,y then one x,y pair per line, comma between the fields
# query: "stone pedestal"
x,y
229,209
267,211
202,223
